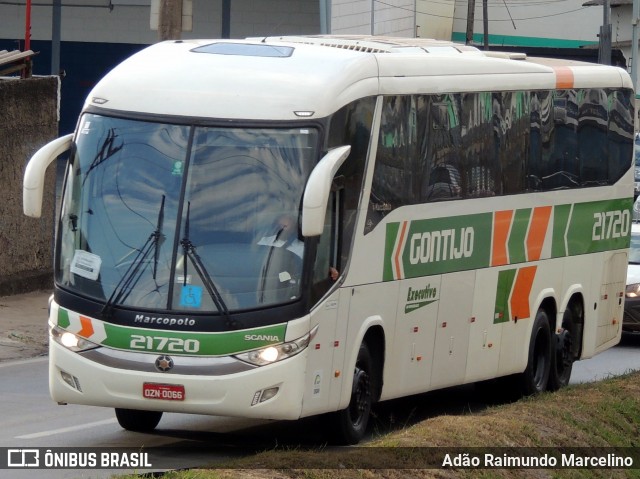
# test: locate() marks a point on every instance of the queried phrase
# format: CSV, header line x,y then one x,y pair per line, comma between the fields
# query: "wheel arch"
x,y
547,301
373,334
550,305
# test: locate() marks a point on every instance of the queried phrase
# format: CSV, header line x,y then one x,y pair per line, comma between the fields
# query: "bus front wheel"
x,y
535,378
138,421
350,424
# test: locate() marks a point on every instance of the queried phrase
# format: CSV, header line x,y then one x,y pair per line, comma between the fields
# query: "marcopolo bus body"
x,y
284,227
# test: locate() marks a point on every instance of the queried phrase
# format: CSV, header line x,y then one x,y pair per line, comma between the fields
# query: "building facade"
x,y
95,35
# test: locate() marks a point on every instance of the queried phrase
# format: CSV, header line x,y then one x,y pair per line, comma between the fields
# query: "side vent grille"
x,y
357,48
348,46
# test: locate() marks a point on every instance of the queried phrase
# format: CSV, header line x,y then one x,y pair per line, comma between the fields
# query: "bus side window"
x,y
327,265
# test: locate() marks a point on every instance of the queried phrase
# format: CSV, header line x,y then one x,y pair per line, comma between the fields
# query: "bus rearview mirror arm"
x,y
33,183
316,194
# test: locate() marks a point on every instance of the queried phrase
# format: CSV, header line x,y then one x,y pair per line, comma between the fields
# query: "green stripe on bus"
x,y
459,243
599,226
392,234
518,235
63,318
560,220
190,342
442,245
506,279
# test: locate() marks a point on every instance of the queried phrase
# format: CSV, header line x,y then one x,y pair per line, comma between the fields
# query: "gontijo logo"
x,y
423,247
432,246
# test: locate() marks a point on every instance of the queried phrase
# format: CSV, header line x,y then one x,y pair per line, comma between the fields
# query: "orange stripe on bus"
x,y
397,258
501,225
87,327
537,232
521,291
564,78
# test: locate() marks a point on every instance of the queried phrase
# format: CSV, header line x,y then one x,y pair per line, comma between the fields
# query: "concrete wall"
x,y
28,120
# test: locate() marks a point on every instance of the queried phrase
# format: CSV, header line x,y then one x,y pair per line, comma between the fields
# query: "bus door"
x,y
327,350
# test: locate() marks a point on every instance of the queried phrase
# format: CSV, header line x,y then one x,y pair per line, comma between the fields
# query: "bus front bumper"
x,y
274,391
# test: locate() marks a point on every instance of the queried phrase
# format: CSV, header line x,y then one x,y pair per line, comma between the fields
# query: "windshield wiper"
x,y
130,278
189,250
157,237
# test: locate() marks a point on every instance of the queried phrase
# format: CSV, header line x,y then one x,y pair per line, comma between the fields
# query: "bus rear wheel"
x,y
137,420
535,378
350,424
562,355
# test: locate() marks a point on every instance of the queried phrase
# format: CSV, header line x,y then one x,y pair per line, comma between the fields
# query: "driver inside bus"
x,y
286,236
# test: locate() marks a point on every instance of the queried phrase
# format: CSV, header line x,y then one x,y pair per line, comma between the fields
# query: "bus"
x,y
286,227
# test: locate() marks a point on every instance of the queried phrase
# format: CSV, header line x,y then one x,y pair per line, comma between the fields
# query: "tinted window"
x,y
451,146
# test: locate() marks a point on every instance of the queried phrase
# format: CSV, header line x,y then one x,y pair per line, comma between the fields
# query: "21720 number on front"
x,y
164,344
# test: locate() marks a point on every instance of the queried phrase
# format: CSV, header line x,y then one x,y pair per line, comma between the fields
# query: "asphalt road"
x,y
31,419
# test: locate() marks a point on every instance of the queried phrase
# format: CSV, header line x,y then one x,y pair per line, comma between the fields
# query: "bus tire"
x,y
137,420
535,377
350,424
562,356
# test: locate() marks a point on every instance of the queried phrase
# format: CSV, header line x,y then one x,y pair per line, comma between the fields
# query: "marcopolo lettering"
x,y
141,318
443,245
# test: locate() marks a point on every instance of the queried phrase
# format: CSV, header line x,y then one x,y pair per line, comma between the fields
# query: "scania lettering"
x,y
312,224
260,337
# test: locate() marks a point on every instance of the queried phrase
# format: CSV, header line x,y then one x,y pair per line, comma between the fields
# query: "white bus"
x,y
285,227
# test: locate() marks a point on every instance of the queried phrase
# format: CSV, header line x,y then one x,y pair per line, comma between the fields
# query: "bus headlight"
x,y
69,340
277,352
632,290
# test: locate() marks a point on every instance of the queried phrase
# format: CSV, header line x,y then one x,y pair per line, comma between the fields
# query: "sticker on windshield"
x,y
86,128
178,168
180,279
191,296
86,264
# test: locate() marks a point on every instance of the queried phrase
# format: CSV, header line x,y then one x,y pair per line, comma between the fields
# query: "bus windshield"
x,y
176,217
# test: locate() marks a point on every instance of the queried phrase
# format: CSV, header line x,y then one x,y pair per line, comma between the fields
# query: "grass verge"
x,y
595,415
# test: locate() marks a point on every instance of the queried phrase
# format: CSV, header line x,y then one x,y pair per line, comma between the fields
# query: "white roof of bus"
x,y
272,78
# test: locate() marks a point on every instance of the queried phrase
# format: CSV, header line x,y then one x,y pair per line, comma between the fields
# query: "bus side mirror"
x,y
33,184
316,194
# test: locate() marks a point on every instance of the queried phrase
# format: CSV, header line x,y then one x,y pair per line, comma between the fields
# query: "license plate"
x,y
165,392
